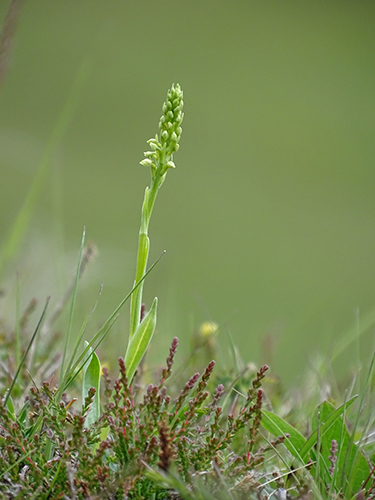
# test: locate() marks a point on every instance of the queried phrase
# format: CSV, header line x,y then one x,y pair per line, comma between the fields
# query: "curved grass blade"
x,y
353,335
324,427
91,378
71,312
279,427
26,352
77,343
354,457
103,331
12,242
351,467
83,359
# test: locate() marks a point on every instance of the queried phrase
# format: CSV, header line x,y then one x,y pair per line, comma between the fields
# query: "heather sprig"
x,y
151,443
184,433
251,408
166,373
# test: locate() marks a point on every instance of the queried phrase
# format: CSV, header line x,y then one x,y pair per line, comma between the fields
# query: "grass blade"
x,y
101,333
351,468
324,427
12,242
279,427
26,353
91,378
71,312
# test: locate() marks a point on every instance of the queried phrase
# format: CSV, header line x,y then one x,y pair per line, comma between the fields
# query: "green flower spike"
x,y
159,160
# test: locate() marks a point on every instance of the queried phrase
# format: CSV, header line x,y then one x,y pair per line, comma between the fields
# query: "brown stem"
x,y
7,36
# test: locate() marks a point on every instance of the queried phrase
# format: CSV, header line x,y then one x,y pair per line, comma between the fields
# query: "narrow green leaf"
x,y
351,468
11,410
69,370
13,241
351,458
100,335
324,427
7,395
91,378
279,427
71,312
140,341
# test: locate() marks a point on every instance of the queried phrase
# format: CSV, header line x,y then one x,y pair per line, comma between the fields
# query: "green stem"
x,y
143,252
160,160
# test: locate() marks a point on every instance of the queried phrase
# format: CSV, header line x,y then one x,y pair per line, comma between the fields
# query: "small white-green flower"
x,y
160,159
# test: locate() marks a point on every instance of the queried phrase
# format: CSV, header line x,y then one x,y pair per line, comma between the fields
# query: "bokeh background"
x,y
268,219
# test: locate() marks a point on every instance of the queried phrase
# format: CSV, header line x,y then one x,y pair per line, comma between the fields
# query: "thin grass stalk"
x,y
71,312
355,426
7,395
13,240
101,334
17,330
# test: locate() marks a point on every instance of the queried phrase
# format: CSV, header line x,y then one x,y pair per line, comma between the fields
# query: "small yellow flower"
x,y
208,328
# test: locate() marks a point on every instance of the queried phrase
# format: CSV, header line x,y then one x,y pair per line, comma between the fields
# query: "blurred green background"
x,y
268,219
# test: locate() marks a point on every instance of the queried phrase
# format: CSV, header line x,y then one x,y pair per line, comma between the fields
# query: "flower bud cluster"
x,y
170,122
160,158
